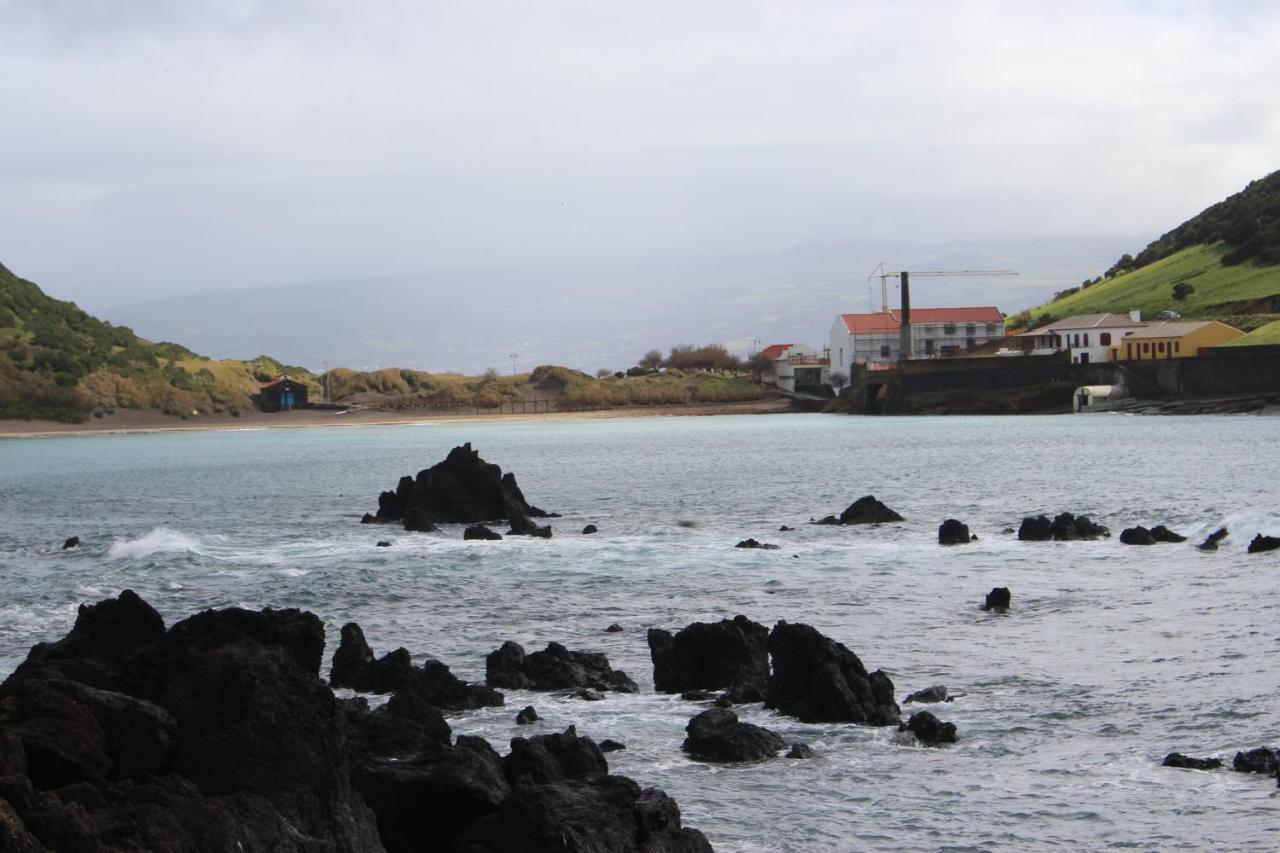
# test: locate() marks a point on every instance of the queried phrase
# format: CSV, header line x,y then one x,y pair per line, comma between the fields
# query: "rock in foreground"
x,y
463,489
1262,543
816,679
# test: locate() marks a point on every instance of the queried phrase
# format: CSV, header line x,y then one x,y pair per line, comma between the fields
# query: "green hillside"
x,y
1222,263
1268,334
59,363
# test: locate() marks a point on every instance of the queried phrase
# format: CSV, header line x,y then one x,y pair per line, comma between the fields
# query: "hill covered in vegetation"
x,y
1222,263
59,363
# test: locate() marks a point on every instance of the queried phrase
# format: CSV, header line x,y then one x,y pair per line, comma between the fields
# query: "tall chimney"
x,y
905,349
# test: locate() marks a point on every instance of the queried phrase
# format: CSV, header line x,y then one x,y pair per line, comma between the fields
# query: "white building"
x,y
795,365
1087,337
874,338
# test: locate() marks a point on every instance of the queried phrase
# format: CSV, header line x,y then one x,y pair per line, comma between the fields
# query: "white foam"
x,y
161,540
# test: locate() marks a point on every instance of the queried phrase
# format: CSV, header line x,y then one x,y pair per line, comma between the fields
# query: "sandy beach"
x,y
127,421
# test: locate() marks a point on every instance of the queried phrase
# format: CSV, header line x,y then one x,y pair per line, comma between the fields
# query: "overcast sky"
x,y
152,148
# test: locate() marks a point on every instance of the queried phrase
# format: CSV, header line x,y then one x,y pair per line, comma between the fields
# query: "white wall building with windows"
x,y
1087,337
874,338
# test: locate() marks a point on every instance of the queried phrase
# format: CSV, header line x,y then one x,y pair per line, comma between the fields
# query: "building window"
x,y
971,329
1105,339
1129,348
971,342
1160,347
1086,338
991,328
1177,346
949,329
1146,347
928,346
884,350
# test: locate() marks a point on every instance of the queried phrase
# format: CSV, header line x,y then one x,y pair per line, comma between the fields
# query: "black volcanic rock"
x,y
554,758
816,679
865,510
928,729
998,599
930,695
1136,536
752,543
608,745
717,735
527,715
710,656
800,750
1036,528
1211,541
1262,543
554,668
589,529
354,666
1065,527
1177,759
479,531
463,489
953,532
1260,760
73,542
1163,534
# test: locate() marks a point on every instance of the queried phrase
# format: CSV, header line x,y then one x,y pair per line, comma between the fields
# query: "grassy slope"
x,y
1150,288
1268,334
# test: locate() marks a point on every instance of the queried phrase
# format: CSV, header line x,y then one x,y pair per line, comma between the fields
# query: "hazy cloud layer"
x,y
154,148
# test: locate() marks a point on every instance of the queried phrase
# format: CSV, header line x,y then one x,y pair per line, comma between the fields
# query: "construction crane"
x,y
905,346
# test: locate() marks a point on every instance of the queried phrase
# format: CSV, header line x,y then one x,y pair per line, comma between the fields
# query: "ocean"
x,y
1111,656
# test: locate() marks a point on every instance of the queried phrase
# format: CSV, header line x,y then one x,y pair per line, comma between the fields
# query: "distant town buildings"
x,y
1087,337
874,338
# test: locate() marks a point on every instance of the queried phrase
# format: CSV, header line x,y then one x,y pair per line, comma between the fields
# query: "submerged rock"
x,y
816,679
1065,527
928,729
554,668
717,735
463,489
731,653
751,543
589,529
1211,541
527,715
1262,543
800,750
1136,536
614,628
1260,760
73,542
608,745
1177,759
382,543
998,599
865,510
930,695
1163,534
953,532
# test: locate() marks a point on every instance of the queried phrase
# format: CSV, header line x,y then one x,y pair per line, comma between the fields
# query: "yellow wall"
x,y
1210,335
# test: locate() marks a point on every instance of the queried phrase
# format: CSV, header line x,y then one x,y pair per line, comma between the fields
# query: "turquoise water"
x,y
1111,657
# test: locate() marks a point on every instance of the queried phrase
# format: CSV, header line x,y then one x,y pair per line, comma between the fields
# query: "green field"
x,y
1149,289
1268,334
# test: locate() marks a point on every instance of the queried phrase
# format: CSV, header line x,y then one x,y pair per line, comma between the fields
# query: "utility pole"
x,y
513,358
325,364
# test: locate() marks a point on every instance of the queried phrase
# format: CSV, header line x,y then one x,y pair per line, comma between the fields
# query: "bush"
x,y
1182,290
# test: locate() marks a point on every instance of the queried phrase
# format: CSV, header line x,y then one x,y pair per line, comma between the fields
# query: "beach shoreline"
x,y
141,422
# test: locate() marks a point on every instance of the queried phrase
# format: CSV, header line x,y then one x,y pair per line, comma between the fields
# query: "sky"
x,y
154,149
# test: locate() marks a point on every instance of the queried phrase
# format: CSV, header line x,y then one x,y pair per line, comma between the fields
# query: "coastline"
x,y
141,422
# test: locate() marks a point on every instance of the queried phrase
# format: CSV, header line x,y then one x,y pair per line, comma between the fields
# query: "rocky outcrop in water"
x,y
953,532
554,668
590,529
998,599
1187,762
717,735
1142,536
865,510
1065,527
752,543
354,666
1262,543
463,489
1264,759
73,542
218,734
731,653
527,715
928,729
929,696
816,679
1211,541
481,533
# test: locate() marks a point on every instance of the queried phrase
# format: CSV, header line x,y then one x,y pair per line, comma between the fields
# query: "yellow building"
x,y
1178,339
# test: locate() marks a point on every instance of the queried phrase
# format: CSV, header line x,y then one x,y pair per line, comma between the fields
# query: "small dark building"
x,y
282,393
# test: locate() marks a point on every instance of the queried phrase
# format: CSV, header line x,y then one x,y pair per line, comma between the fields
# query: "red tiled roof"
x,y
283,377
775,350
882,321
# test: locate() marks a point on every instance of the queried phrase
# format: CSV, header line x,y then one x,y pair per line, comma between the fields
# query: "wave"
x,y
160,540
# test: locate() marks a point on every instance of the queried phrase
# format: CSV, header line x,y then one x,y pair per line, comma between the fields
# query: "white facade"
x,y
796,360
1087,337
935,332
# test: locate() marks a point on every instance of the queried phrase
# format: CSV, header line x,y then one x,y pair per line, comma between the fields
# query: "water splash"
x,y
159,540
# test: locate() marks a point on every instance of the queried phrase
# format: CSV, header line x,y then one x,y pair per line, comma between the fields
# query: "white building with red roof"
x,y
795,367
873,338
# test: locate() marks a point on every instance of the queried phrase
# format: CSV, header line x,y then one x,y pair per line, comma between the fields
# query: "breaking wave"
x,y
160,540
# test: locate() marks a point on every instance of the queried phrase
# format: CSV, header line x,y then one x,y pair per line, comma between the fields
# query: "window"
x,y
1146,347
928,346
991,328
971,329
971,342
1077,343
1177,346
1129,350
1105,339
1160,347
949,329
1086,338
884,351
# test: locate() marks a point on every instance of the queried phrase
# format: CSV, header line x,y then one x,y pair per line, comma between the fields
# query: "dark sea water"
x,y
1111,657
